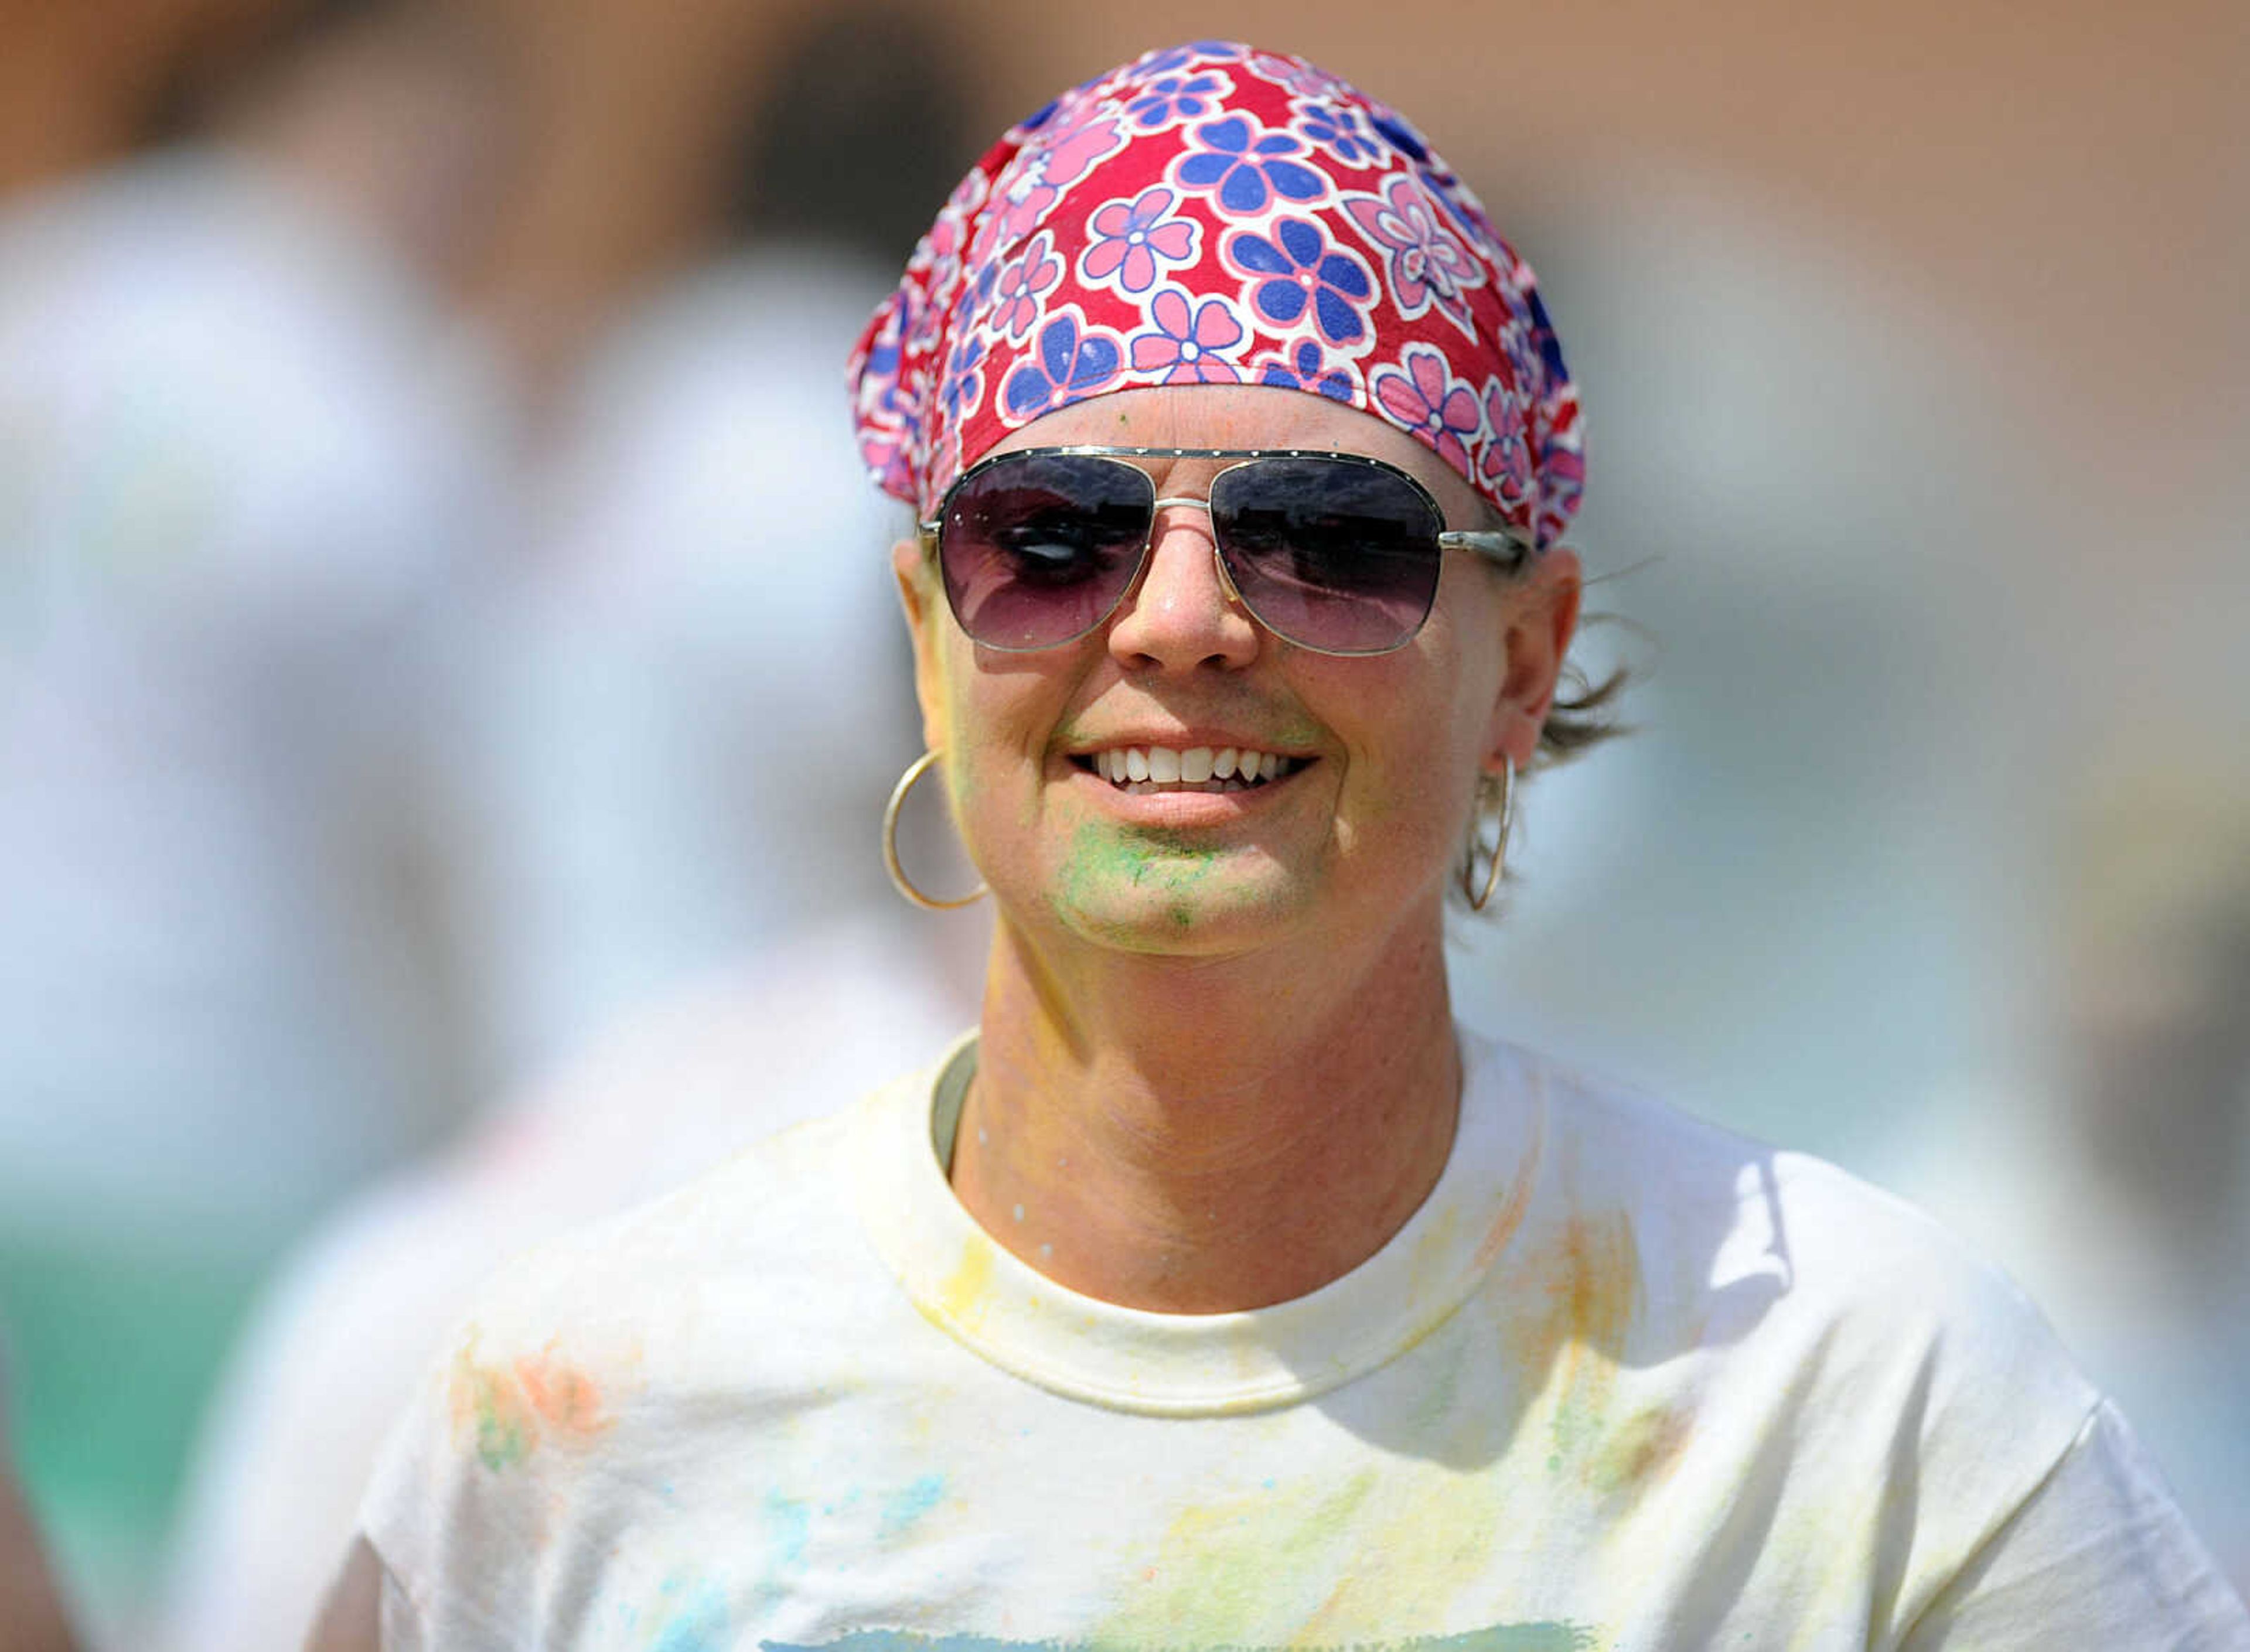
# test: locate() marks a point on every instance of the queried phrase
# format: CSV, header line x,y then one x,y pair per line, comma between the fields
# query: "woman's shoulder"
x,y
1725,1242
769,1211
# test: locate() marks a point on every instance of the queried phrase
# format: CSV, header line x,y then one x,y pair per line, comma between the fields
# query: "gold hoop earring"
x,y
915,770
1479,895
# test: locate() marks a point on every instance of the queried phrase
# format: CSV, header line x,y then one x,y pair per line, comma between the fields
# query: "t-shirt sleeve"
x,y
2098,1555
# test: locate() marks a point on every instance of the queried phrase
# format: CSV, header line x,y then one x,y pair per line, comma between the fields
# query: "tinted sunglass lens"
x,y
1330,554
1036,551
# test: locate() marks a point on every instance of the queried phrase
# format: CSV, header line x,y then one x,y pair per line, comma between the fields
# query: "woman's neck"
x,y
1192,1136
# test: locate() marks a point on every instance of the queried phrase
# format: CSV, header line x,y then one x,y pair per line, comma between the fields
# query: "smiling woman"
x,y
1221,1290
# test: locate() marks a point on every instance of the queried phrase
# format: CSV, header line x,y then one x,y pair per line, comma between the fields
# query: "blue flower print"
x,y
1189,346
1248,167
1175,98
1300,266
1404,138
1174,59
1542,334
965,379
975,292
1303,368
1338,128
1070,364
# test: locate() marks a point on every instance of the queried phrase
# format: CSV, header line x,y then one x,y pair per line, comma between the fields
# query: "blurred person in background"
x,y
1617,1370
2120,1191
687,681
248,454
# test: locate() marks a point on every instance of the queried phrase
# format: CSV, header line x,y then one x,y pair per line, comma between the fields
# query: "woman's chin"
x,y
1165,890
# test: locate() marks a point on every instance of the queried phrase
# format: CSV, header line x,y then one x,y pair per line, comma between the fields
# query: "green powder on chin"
x,y
1103,857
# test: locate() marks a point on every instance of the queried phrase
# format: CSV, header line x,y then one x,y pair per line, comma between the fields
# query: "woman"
x,y
1221,1291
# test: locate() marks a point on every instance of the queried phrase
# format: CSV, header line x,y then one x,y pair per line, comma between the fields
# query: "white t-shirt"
x,y
338,1344
1622,1381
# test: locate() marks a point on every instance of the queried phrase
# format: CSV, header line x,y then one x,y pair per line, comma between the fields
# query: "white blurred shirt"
x,y
244,457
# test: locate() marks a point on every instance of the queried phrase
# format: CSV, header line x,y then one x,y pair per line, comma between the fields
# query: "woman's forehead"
x,y
1241,415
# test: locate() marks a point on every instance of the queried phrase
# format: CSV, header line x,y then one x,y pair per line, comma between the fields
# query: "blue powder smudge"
x,y
911,1505
699,1626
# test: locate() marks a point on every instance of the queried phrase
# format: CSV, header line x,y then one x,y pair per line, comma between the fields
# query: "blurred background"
x,y
447,675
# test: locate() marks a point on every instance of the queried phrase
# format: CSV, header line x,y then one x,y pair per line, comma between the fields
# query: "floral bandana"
x,y
1216,215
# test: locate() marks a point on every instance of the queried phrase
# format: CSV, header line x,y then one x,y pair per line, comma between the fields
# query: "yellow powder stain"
x,y
1578,1291
1212,1578
1437,1534
1506,1223
1641,1450
966,1293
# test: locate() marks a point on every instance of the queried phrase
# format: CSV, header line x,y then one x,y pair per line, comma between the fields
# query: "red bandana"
x,y
1213,214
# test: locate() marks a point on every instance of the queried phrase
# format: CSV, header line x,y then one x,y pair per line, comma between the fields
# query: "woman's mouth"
x,y
1139,769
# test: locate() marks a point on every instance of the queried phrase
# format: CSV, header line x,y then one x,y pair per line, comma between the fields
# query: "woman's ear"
x,y
1542,617
918,598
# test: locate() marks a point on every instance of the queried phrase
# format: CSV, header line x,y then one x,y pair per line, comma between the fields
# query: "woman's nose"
x,y
1184,611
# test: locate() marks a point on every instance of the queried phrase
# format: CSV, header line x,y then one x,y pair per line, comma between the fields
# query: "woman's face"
x,y
1380,754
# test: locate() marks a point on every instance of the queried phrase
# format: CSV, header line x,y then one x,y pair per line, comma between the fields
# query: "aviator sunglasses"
x,y
1336,553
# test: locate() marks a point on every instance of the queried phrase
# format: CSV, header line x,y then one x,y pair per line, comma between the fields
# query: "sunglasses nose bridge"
x,y
1217,557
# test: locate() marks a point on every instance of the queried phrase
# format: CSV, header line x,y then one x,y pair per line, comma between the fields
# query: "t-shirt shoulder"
x,y
1721,1214
1869,1334
569,1349
604,1280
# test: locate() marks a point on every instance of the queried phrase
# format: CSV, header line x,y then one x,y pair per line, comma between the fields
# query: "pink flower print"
x,y
1506,464
1021,285
1040,177
1426,261
1299,79
1130,239
1189,346
1430,404
1073,151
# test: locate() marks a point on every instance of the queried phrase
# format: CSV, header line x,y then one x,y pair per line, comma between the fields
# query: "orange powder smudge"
x,y
1641,1450
501,1413
566,1398
1579,1290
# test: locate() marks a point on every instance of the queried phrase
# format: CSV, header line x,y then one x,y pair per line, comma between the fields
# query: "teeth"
x,y
1142,768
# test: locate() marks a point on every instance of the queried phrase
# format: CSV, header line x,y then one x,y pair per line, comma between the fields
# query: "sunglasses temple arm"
x,y
1505,549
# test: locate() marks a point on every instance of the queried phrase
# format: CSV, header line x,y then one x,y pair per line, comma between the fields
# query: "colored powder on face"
x,y
1105,859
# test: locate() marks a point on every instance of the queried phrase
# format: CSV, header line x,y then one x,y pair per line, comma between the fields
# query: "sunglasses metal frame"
x,y
1502,547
